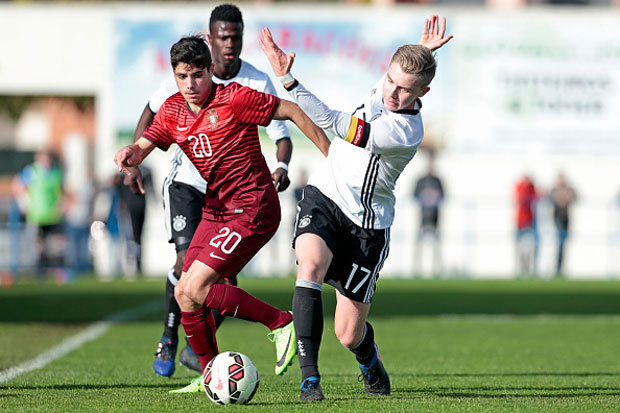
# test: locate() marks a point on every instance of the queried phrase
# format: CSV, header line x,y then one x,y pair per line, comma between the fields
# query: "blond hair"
x,y
416,60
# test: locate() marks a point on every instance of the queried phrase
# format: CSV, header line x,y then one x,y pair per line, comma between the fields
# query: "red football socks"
x,y
199,327
234,302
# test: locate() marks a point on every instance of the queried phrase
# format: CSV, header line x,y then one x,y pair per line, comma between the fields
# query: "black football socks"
x,y
308,316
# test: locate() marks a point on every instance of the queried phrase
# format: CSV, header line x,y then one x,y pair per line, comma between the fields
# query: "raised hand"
x,y
433,35
280,62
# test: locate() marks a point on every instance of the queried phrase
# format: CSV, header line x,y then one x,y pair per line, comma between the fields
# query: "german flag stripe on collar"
x,y
359,131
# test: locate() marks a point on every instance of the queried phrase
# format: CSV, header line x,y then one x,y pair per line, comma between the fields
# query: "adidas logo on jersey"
x,y
179,222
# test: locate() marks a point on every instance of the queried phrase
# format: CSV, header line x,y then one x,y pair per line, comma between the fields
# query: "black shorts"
x,y
359,253
183,210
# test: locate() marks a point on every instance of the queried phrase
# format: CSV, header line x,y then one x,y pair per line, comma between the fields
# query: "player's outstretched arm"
x,y
133,155
290,111
281,62
434,34
318,112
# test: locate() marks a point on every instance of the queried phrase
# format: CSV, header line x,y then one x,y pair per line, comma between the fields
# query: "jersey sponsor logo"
x,y
358,134
305,221
213,118
179,223
359,131
182,128
212,255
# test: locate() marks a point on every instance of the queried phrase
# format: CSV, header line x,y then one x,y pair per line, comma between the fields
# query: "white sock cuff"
x,y
309,284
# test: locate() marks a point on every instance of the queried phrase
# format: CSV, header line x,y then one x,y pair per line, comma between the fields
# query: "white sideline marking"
x,y
91,333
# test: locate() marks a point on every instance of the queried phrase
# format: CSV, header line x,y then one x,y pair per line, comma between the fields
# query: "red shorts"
x,y
227,246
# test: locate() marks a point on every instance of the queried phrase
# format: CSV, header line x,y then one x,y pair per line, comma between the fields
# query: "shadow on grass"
x,y
497,391
84,307
501,392
536,374
456,392
511,391
475,395
94,301
90,387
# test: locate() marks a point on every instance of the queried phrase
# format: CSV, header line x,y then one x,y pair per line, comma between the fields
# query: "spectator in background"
x,y
429,194
562,196
38,189
527,233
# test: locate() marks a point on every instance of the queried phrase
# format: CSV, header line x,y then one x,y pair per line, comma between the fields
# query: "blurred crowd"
x,y
53,226
527,196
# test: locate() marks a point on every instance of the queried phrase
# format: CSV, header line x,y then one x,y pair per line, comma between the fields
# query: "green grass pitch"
x,y
451,346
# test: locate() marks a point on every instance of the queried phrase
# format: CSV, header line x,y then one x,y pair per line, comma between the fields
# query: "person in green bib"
x,y
39,190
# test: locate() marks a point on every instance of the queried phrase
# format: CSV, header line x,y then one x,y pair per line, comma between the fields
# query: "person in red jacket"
x,y
527,240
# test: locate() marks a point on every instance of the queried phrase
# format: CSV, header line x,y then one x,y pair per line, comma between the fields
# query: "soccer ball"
x,y
230,378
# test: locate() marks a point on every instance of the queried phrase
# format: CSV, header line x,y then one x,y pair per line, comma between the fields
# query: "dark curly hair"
x,y
192,50
226,13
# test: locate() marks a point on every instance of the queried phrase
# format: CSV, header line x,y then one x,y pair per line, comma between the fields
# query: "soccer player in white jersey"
x,y
184,188
343,224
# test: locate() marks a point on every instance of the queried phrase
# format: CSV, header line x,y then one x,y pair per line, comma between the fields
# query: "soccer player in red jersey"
x,y
216,127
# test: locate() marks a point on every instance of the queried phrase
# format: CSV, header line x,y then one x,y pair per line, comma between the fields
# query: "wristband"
x,y
292,86
286,79
282,165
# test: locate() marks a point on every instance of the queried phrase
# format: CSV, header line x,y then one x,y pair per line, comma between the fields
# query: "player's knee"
x,y
346,337
192,292
179,293
182,293
311,270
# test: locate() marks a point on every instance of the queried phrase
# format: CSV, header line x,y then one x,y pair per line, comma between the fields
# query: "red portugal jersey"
x,y
222,142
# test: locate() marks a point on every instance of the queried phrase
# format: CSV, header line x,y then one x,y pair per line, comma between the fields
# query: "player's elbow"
x,y
286,110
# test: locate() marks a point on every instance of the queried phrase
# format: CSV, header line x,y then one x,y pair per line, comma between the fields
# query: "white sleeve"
x,y
333,121
166,89
387,133
277,128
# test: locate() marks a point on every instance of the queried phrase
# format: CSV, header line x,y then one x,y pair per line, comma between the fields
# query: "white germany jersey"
x,y
182,169
374,148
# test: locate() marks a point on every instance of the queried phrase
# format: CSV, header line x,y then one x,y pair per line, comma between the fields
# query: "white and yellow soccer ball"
x,y
230,378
